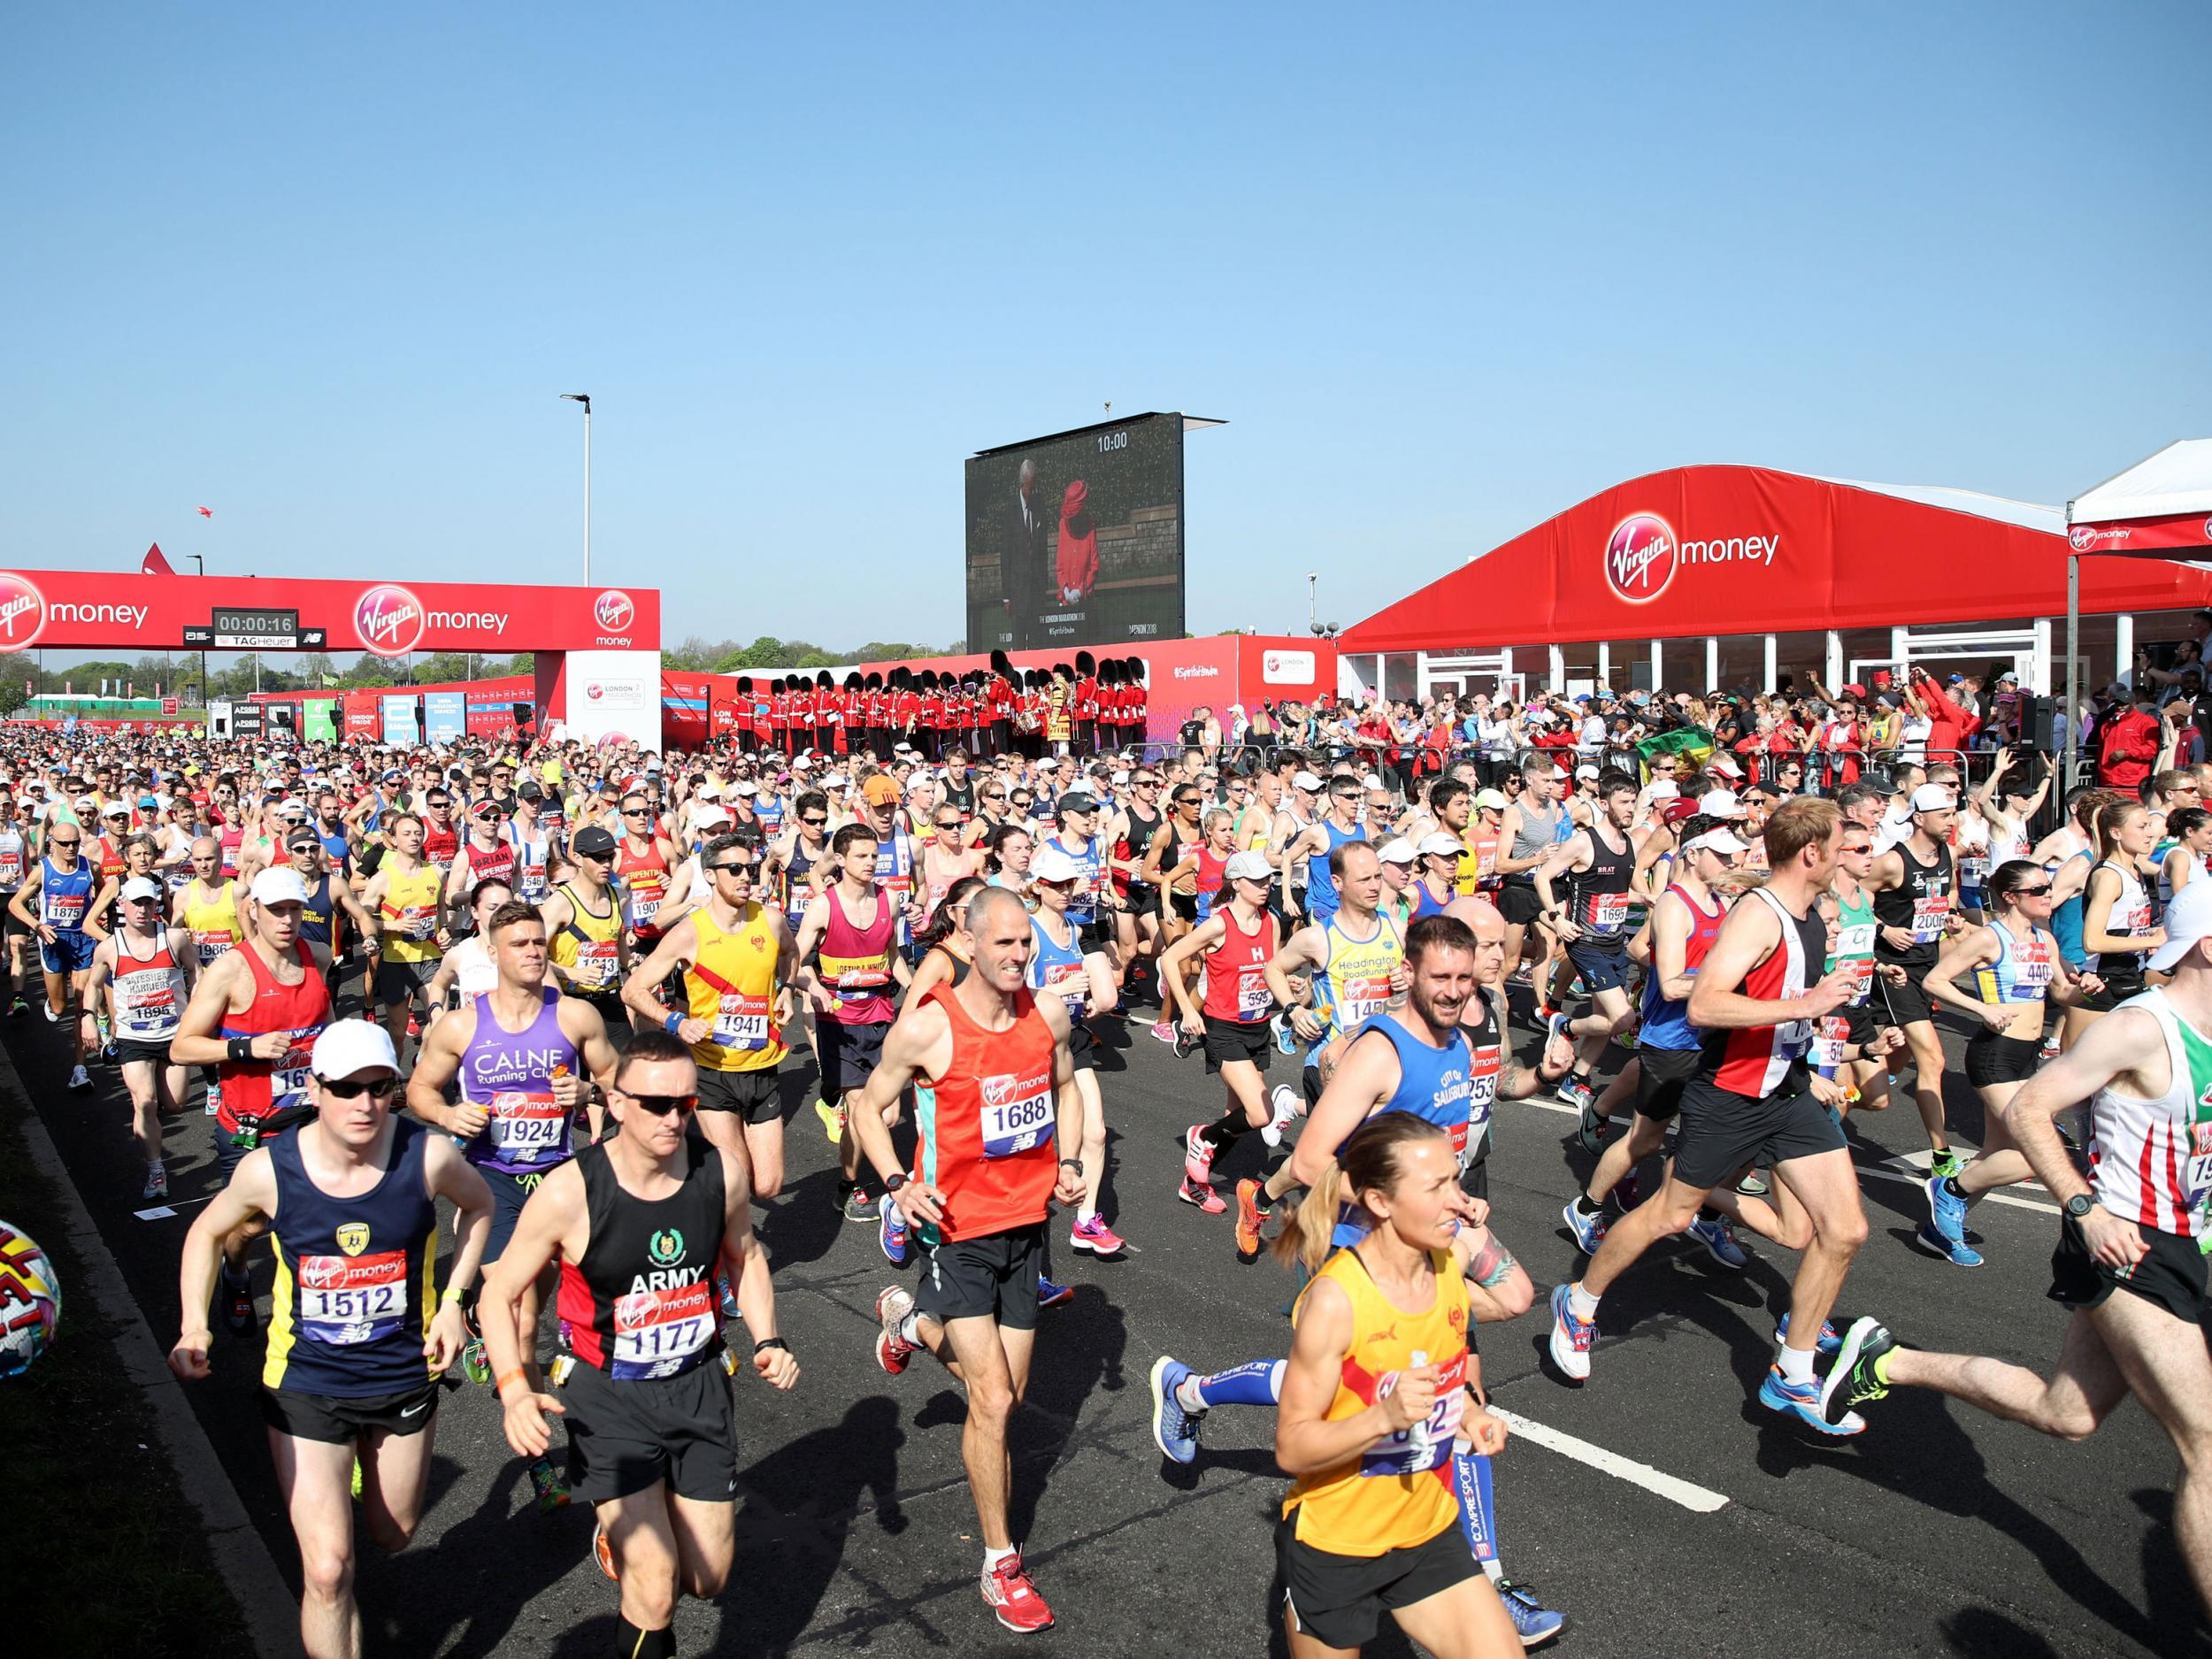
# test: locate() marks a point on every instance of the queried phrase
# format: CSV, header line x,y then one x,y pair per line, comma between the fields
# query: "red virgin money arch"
x,y
597,649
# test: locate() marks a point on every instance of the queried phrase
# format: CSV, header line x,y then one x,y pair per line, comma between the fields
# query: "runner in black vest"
x,y
1600,860
1915,905
641,1221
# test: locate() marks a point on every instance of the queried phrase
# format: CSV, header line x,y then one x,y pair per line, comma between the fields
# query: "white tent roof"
x,y
2027,514
2177,480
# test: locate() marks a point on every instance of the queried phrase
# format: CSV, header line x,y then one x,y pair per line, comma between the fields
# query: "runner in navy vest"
x,y
358,1333
1594,920
62,903
640,1221
1756,1100
520,1052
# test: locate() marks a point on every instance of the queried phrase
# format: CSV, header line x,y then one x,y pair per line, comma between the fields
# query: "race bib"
x,y
1608,912
343,1300
1854,954
2031,973
148,1001
524,1125
742,1021
1828,1040
598,962
1482,1091
657,1331
1359,999
1068,981
1015,1114
66,910
419,922
645,895
1255,1001
1425,1446
1928,918
210,945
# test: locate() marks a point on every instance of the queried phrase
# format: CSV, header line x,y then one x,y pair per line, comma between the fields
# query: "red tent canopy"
x,y
2161,507
1698,550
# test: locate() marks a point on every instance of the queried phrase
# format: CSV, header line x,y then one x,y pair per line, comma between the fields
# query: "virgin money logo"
x,y
389,620
22,613
594,691
2084,537
614,610
1640,557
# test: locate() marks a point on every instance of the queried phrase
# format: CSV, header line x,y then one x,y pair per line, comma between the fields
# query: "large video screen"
x,y
1078,539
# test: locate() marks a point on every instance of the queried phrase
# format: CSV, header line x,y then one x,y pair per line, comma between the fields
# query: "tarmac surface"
x,y
1939,1530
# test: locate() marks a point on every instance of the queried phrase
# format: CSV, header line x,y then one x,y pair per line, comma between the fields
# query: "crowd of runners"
x,y
492,1033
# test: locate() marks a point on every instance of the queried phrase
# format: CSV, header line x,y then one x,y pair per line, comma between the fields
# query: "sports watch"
x,y
2079,1205
892,1183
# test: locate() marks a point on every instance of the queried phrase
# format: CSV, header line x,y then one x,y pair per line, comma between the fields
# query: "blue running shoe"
x,y
1589,1231
891,1231
1533,1621
1958,1253
1831,1339
1285,1039
726,1297
1801,1401
1051,1295
1174,1430
1570,1337
1946,1210
1719,1240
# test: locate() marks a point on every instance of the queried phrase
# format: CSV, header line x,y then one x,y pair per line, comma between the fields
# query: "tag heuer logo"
x,y
666,1247
353,1237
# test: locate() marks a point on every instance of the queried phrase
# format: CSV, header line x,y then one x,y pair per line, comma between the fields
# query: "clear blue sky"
x,y
1445,270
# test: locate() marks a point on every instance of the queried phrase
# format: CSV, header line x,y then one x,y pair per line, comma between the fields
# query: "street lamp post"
x,y
585,399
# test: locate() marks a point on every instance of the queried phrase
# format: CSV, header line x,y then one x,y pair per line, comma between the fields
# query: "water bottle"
x,y
1420,1444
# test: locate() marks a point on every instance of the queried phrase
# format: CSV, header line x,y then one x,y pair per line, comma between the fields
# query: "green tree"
x,y
440,666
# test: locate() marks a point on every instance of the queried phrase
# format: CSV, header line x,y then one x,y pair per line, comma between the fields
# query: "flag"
x,y
154,565
205,512
330,679
1692,742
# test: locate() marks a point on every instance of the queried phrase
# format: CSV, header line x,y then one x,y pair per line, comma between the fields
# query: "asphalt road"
x,y
1937,1532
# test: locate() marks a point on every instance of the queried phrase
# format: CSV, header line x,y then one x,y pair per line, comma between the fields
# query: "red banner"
x,y
2160,537
105,609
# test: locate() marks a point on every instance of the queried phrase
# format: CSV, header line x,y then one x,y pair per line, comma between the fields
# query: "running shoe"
x,y
353,1485
1555,1023
893,1304
833,1120
1803,1400
891,1232
236,1302
1575,1092
1589,1230
414,1024
157,1182
1860,1370
1546,1014
1946,1209
1014,1598
1282,1103
1202,1194
1628,1192
1165,1030
17,1009
1285,1039
1570,1337
1589,1128
725,1294
476,1362
1752,1187
1096,1237
1831,1339
1945,1161
1174,1429
52,1018
1958,1252
1051,1295
1185,1045
2050,1050
1533,1621
1719,1240
602,1552
858,1206
1198,1155
80,1079
551,1489
1251,1219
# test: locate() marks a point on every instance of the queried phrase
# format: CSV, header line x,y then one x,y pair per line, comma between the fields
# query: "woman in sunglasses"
x,y
2012,968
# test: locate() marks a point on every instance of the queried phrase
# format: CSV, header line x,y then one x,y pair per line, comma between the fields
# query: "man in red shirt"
x,y
2129,745
1950,724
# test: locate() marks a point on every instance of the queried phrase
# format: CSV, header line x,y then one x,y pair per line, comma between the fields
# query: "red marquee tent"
x,y
1735,550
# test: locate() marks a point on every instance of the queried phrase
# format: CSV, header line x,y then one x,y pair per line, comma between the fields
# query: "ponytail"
x,y
1368,1162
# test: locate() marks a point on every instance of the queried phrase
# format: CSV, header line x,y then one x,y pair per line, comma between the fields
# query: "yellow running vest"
x,y
589,947
1397,1494
733,985
213,922
409,915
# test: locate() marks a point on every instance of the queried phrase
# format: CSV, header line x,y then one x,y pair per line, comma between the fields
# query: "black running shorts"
x,y
750,1095
1723,1132
341,1419
1233,1040
624,1436
1991,1058
993,1277
1662,1075
1340,1600
848,1053
1517,901
2171,1276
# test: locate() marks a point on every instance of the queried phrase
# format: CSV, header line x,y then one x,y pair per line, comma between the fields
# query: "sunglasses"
x,y
598,858
353,1088
812,822
661,1105
64,841
2033,893
637,811
739,868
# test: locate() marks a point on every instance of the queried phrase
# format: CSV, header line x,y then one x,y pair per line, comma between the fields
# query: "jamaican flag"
x,y
1692,743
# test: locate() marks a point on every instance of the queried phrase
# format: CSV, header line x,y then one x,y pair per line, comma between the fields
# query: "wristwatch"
x,y
2079,1205
892,1183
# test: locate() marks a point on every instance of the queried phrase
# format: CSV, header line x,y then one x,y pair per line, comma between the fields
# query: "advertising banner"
x,y
399,718
364,714
444,716
317,719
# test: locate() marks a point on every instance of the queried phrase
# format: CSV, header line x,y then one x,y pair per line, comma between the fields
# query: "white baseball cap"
x,y
1307,781
2187,919
1398,851
1053,864
1933,797
141,887
1586,769
1440,846
1248,866
1725,764
1720,804
746,786
350,1046
1664,789
1370,781
281,883
801,765
1720,841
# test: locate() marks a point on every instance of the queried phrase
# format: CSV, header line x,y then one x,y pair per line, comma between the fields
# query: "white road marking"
x,y
1668,1487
